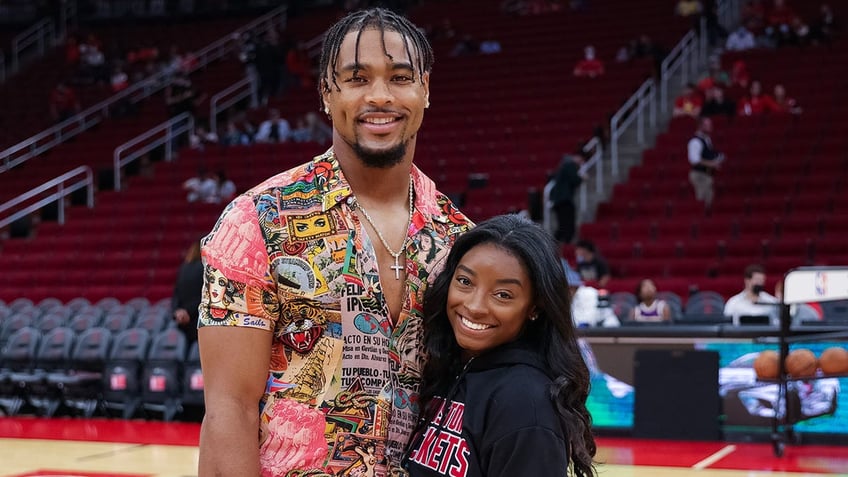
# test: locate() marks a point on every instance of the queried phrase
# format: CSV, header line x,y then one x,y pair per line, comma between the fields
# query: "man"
x,y
311,316
704,160
590,265
274,129
741,39
752,301
567,180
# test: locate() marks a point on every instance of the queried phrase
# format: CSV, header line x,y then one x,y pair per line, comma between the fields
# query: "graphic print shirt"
x,y
291,257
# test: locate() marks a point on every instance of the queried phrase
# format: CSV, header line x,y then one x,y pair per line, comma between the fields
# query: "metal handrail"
x,y
42,34
218,104
61,192
632,110
55,135
679,58
166,132
593,164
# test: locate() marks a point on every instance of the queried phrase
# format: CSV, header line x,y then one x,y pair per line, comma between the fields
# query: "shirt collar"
x,y
327,176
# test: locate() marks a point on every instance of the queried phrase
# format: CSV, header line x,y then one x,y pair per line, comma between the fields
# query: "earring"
x,y
327,110
533,317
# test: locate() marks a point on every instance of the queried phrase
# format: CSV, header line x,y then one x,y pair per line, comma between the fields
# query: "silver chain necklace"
x,y
396,255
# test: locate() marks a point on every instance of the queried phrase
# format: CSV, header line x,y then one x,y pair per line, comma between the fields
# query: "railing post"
x,y
60,204
116,178
640,118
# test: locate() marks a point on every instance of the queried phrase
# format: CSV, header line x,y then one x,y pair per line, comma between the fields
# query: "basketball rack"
x,y
802,285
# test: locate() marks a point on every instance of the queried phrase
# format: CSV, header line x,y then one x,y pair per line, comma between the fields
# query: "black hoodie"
x,y
497,420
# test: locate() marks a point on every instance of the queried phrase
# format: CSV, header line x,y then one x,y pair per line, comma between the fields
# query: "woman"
x,y
648,306
505,387
187,293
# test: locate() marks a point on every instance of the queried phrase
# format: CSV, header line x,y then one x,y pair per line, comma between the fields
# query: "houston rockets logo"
x,y
442,447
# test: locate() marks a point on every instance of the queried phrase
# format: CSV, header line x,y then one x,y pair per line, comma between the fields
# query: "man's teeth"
x,y
379,120
474,326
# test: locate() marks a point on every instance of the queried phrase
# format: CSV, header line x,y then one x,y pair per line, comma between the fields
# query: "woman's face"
x,y
217,288
426,243
490,298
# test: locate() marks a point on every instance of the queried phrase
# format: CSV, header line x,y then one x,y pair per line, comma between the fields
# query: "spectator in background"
x,y
689,8
717,104
566,181
119,82
181,96
247,57
584,299
300,66
741,39
739,81
784,103
754,16
201,188
187,293
490,46
63,102
465,46
591,266
752,300
589,66
201,137
825,27
310,128
689,103
274,129
649,308
779,23
233,136
715,76
704,160
226,188
268,58
756,102
72,52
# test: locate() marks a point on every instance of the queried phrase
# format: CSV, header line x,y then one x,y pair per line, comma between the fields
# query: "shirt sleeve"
x,y
237,285
695,150
529,451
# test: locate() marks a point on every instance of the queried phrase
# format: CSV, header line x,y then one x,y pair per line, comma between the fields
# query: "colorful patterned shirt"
x,y
291,257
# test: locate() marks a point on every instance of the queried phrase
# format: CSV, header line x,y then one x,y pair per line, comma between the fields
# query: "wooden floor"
x,y
31,447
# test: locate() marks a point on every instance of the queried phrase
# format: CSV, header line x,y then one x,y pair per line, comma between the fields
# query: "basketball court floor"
x,y
31,447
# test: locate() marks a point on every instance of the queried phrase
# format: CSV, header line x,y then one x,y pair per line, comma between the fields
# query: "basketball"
x,y
801,363
834,361
766,364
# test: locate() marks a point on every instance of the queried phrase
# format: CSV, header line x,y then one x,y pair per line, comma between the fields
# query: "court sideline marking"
x,y
715,457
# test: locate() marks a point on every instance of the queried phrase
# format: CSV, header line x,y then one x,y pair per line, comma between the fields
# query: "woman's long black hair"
x,y
552,333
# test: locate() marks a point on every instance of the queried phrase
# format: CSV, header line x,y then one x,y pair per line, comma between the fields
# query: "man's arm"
x,y
235,369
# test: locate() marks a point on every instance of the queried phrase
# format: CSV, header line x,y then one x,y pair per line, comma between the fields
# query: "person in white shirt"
x,y
201,188
740,40
584,302
273,129
753,300
704,160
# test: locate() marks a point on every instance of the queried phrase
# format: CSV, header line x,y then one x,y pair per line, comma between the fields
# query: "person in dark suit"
x,y
187,293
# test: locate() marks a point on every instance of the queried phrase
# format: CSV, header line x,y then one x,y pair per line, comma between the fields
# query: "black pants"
x,y
566,221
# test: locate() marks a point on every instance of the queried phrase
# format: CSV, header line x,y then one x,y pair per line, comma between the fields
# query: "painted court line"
x,y
724,451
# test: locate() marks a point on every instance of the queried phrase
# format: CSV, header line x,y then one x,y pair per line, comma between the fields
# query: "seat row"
x,y
129,373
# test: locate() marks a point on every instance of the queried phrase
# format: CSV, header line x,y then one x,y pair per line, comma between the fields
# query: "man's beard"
x,y
381,159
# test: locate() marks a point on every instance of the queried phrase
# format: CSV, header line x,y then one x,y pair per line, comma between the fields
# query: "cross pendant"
x,y
396,267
